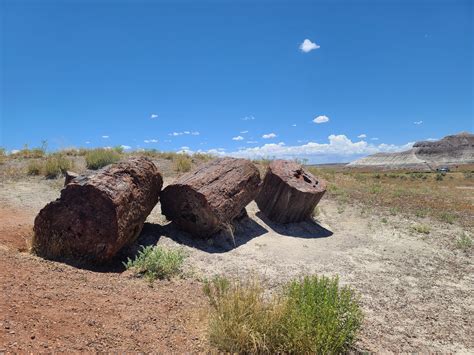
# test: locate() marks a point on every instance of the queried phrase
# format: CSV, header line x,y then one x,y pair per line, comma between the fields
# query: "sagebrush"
x,y
98,158
157,262
311,315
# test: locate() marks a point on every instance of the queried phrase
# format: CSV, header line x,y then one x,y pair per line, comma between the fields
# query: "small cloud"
x,y
126,147
363,135
308,46
185,148
193,133
374,139
269,136
243,132
293,125
153,115
238,138
87,142
418,122
248,118
105,137
252,142
151,141
321,119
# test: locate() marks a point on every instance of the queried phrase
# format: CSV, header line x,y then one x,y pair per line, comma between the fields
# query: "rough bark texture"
x,y
98,213
207,200
69,176
289,192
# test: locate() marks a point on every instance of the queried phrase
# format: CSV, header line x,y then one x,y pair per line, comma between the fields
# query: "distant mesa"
x,y
452,150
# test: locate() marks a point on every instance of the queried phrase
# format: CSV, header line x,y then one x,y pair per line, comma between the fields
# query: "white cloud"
x,y
293,125
374,139
105,137
184,148
193,133
248,118
339,148
153,115
87,142
14,151
252,142
151,141
308,46
243,132
321,119
269,136
126,147
418,122
238,138
363,135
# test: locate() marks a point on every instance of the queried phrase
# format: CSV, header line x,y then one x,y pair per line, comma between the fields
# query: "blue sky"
x,y
245,78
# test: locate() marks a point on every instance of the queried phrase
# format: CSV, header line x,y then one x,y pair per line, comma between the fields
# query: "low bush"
x,y
157,262
35,167
312,315
100,157
421,229
55,165
182,163
464,242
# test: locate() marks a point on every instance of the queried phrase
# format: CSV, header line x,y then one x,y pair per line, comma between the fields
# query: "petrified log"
x,y
289,192
208,199
69,176
98,213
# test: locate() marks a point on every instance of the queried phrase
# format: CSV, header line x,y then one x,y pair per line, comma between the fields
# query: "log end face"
x,y
289,193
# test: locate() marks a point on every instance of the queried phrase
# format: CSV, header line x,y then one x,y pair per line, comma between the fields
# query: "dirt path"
x,y
417,291
47,306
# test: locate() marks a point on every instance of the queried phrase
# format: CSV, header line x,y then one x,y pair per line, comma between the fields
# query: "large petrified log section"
x,y
98,213
208,199
289,192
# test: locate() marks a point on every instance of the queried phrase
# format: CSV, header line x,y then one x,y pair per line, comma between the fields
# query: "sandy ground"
x,y
416,290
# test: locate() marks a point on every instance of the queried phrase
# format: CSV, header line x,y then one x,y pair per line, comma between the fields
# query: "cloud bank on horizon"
x,y
338,149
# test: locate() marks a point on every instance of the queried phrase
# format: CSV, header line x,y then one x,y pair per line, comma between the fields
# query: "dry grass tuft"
x,y
312,315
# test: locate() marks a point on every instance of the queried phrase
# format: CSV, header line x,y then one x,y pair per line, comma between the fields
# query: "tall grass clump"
x,y
312,315
182,163
157,262
55,165
100,157
35,167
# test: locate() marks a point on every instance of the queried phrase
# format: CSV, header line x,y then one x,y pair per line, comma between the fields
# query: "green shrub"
x,y
312,315
182,163
448,217
157,262
439,176
421,229
98,158
55,165
35,167
464,242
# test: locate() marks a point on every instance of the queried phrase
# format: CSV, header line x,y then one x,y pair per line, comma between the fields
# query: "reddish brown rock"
x,y
98,213
69,176
289,193
207,200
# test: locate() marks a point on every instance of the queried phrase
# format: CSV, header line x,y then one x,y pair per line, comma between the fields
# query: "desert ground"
x,y
411,267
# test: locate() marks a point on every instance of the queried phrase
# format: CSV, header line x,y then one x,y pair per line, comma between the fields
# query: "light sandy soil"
x,y
416,290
